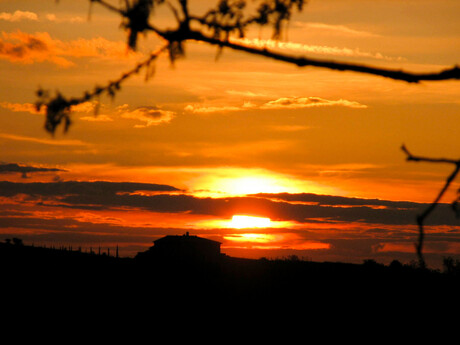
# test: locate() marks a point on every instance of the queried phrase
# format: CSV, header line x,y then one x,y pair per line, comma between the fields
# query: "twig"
x,y
58,108
421,217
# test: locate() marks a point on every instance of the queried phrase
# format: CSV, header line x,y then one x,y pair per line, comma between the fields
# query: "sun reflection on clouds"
x,y
251,237
222,181
272,241
244,222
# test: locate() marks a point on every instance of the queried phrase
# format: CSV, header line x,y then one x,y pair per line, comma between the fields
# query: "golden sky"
x,y
188,149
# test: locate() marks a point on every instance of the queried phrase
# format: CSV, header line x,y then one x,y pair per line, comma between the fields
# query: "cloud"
x,y
281,103
18,16
305,208
151,116
22,107
97,118
331,200
52,18
325,227
43,141
338,29
82,193
27,15
196,108
6,168
309,48
246,93
307,102
85,107
20,47
26,49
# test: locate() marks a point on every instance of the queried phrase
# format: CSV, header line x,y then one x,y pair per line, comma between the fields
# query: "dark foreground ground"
x,y
72,280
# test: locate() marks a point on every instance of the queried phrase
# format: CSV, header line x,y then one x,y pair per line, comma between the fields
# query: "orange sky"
x,y
219,129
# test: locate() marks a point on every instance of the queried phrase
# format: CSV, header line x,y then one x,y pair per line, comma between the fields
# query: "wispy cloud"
x,y
315,49
249,94
20,47
307,102
197,108
52,18
281,103
85,107
289,128
7,168
22,107
18,16
97,118
43,141
151,116
337,29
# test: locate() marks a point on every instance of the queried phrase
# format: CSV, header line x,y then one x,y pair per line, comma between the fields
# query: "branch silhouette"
x,y
58,108
421,217
215,27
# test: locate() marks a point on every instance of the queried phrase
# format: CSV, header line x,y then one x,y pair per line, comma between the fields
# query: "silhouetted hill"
x,y
57,274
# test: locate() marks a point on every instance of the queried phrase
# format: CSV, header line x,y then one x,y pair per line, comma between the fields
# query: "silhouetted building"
x,y
173,247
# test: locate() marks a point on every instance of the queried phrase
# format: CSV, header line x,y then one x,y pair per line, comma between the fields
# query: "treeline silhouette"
x,y
54,274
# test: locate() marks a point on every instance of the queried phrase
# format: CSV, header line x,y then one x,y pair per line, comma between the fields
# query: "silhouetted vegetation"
x,y
64,274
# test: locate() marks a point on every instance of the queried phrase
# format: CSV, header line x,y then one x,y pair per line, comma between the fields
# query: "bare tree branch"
x,y
228,17
452,73
58,107
421,217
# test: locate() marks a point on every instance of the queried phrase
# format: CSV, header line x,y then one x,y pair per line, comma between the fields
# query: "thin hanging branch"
x,y
421,217
58,107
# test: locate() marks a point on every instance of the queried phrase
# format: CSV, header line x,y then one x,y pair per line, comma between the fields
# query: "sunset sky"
x,y
314,153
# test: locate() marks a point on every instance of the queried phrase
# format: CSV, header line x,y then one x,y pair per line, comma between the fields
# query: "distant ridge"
x,y
89,275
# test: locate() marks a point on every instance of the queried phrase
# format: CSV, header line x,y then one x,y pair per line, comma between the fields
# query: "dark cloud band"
x,y
302,208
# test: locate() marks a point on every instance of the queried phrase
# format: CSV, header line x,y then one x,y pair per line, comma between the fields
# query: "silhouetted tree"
x,y
396,265
451,266
17,241
225,20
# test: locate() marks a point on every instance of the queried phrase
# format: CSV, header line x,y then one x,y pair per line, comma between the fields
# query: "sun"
x,y
253,185
231,181
245,222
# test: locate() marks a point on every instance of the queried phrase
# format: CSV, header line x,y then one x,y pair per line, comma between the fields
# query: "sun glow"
x,y
252,238
220,182
245,222
253,185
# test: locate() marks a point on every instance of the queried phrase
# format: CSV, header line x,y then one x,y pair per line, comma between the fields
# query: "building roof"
x,y
186,238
